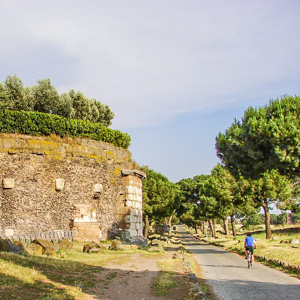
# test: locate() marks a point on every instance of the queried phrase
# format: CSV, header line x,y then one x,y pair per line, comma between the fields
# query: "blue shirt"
x,y
249,241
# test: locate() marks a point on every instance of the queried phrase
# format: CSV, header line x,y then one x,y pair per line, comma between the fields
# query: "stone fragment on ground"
x,y
8,246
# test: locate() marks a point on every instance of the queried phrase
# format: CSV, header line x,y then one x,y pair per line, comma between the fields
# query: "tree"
x,y
267,138
105,114
232,195
208,204
223,186
264,146
271,188
4,97
94,116
64,106
81,105
45,96
189,211
254,219
16,96
160,198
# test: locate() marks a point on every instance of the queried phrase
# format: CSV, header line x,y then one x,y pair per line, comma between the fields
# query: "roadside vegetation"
x,y
41,277
72,277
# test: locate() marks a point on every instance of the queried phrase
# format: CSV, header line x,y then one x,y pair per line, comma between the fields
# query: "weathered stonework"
x,y
60,184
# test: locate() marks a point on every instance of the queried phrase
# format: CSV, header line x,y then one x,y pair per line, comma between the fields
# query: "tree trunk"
x,y
203,227
170,221
226,226
267,220
147,225
232,220
212,228
195,227
214,223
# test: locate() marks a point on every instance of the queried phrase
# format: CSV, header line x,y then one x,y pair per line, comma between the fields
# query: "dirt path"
x,y
132,278
230,278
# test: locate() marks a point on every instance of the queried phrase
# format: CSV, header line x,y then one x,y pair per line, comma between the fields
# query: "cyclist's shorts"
x,y
250,248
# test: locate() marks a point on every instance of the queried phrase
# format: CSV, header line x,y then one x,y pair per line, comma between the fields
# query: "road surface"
x,y
227,273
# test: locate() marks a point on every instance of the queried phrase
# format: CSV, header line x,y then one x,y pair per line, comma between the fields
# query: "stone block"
x,y
129,203
9,143
131,232
133,212
130,197
59,184
132,226
127,219
8,232
8,183
98,188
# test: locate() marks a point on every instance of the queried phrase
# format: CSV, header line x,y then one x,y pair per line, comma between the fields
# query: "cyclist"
x,y
249,245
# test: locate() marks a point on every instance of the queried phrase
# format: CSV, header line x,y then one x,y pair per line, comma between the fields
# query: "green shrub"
x,y
35,123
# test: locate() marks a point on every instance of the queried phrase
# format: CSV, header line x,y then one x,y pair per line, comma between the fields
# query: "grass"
x,y
164,283
40,277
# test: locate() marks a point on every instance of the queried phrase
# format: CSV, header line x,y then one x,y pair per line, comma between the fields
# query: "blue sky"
x,y
175,72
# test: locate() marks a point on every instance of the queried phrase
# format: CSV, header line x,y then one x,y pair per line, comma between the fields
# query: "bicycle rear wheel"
x,y
249,260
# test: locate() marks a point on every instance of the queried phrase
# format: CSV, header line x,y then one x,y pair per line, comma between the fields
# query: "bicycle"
x,y
249,258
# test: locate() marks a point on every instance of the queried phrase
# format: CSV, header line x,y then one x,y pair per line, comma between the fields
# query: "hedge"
x,y
36,123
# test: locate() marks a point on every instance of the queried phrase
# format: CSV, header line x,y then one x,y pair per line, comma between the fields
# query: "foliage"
x,y
265,139
253,219
34,123
44,97
295,217
265,147
161,197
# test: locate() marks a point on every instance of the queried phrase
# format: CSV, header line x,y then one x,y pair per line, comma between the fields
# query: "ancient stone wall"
x,y
48,183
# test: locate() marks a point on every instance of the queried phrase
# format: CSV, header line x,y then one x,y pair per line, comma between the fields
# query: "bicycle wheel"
x,y
249,260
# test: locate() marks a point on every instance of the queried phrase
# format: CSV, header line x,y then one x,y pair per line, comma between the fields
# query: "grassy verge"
x,y
72,277
167,279
40,277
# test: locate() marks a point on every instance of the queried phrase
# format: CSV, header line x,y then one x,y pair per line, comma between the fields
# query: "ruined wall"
x,y
50,183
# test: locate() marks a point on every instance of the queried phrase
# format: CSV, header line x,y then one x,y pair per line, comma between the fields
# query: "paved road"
x,y
230,278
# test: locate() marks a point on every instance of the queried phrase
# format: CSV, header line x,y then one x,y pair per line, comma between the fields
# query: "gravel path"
x,y
230,278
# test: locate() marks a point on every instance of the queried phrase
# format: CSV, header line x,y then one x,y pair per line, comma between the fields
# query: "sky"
x,y
174,72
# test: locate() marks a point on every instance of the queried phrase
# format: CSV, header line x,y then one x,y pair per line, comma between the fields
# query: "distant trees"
x,y
44,97
217,196
161,198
